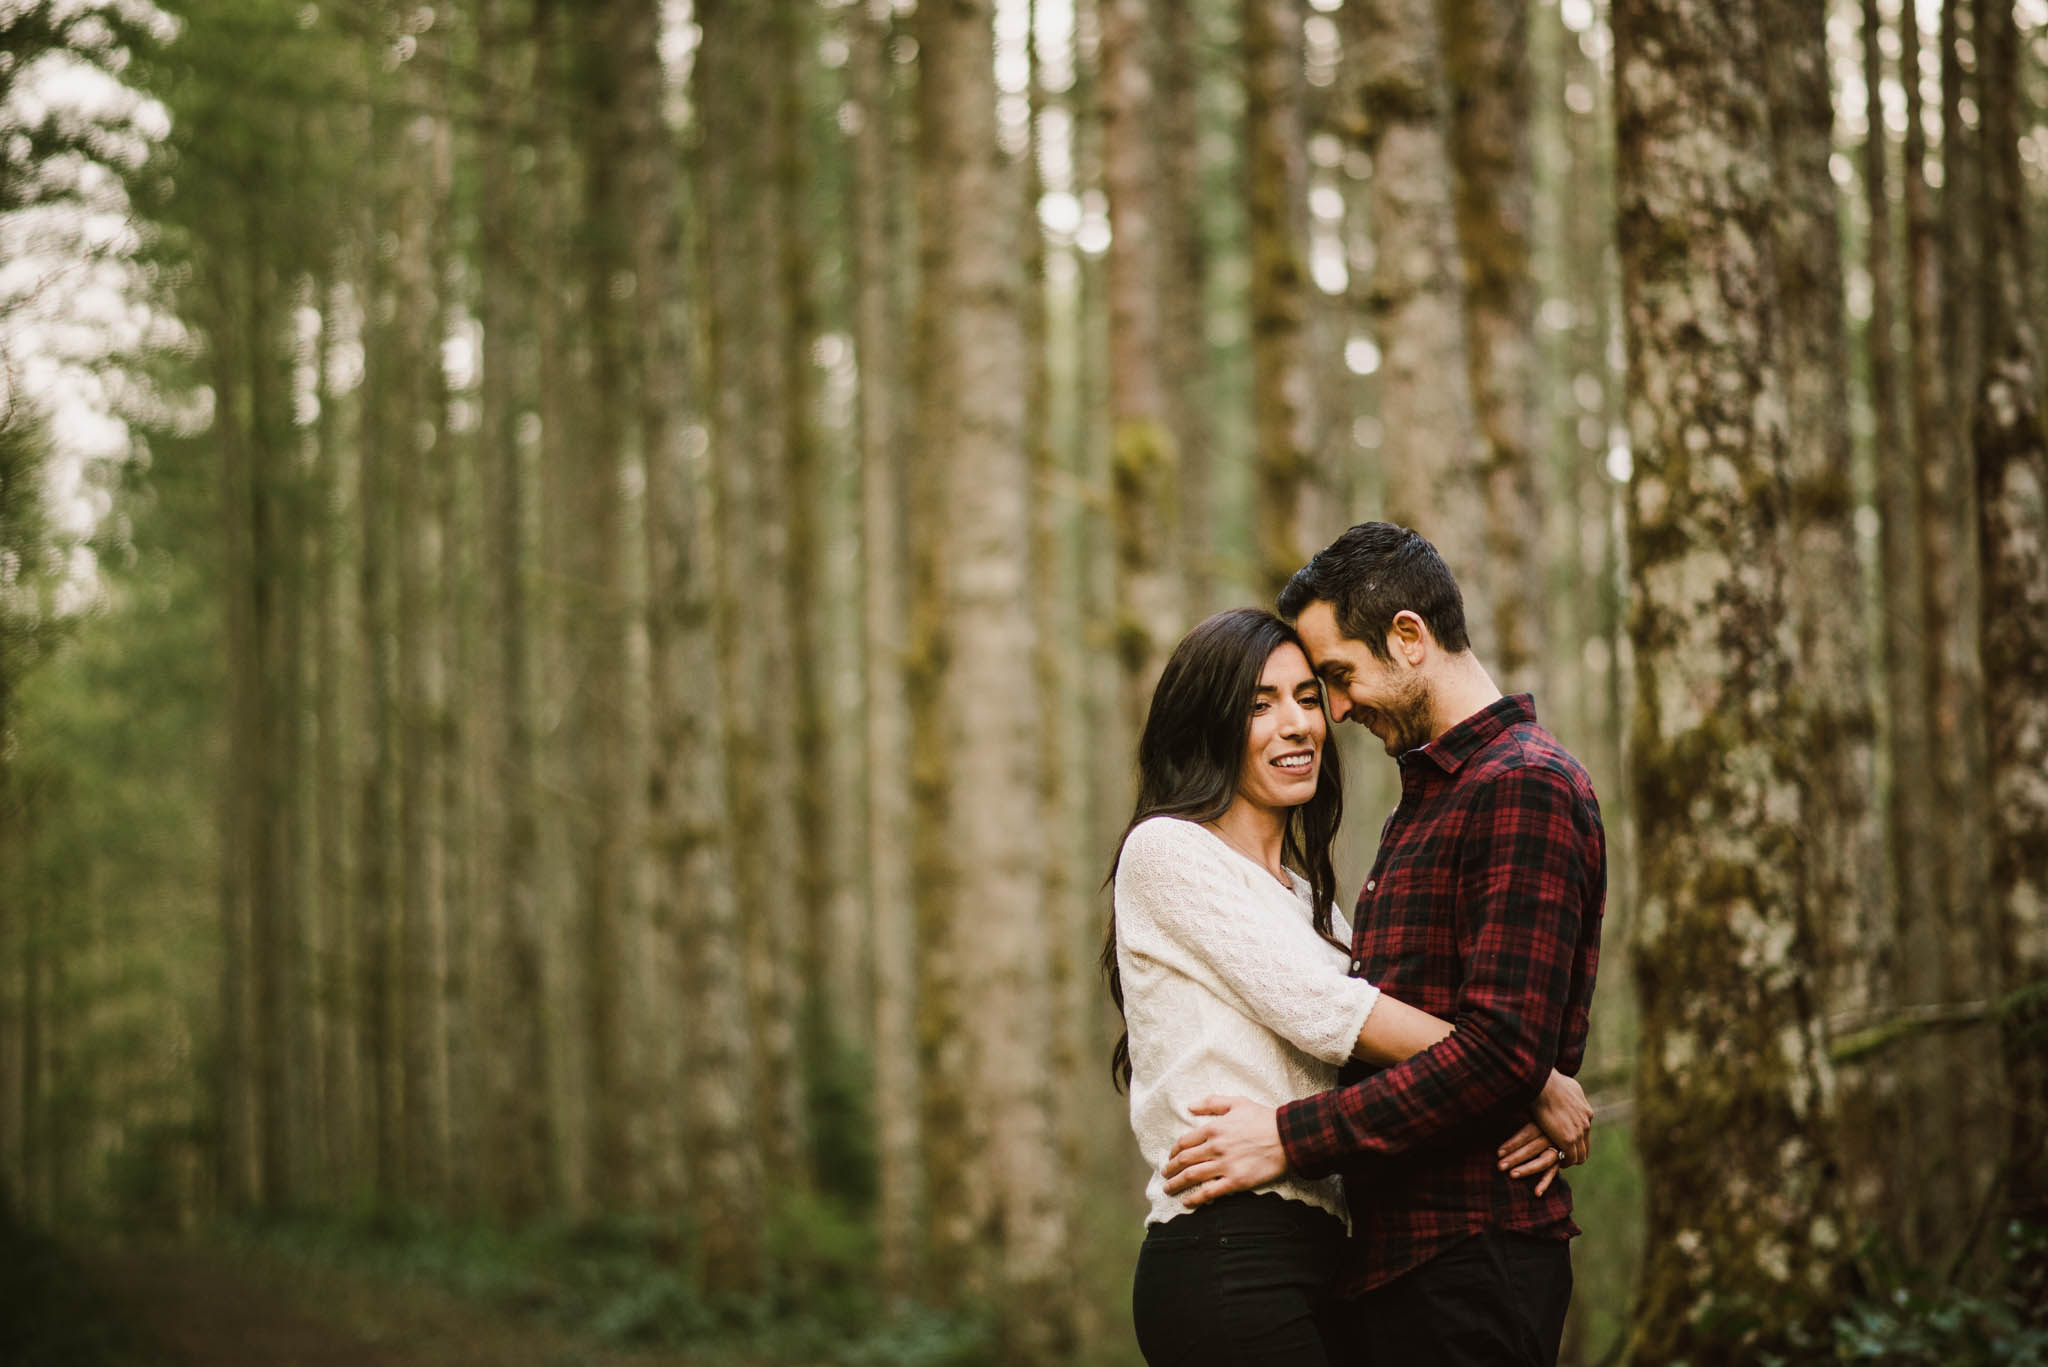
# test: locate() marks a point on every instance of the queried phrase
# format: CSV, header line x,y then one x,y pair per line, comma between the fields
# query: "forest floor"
x,y
186,1304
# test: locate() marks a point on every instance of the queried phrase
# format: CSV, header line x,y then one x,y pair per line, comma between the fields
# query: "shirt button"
x,y
1357,967
1371,883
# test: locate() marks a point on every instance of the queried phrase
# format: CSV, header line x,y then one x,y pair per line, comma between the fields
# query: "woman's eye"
x,y
1259,707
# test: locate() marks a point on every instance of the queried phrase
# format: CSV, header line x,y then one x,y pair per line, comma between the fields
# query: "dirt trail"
x,y
196,1306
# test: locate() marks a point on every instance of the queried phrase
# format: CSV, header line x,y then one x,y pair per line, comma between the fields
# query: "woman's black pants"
x,y
1246,1281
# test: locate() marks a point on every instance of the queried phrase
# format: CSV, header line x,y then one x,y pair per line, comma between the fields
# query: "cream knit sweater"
x,y
1228,991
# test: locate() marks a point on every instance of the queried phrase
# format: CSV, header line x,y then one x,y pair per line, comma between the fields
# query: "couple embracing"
x,y
1355,1131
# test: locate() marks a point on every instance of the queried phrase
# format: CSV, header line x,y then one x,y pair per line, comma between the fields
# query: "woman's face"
x,y
1283,751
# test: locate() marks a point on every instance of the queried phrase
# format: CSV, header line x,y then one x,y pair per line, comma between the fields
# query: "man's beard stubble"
x,y
1407,720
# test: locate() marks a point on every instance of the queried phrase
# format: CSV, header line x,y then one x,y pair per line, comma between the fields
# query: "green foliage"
x,y
1607,1198
840,1088
625,1281
1913,1323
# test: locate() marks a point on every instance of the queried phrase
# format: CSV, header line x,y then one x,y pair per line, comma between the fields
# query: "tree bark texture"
x,y
2012,506
1431,452
1730,1070
692,893
984,1028
377,848
1144,455
884,613
1176,125
1970,1126
1288,524
1878,1124
596,706
519,1141
418,324
1486,60
1831,695
752,396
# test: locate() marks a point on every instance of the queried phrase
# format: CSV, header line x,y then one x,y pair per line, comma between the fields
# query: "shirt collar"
x,y
1450,750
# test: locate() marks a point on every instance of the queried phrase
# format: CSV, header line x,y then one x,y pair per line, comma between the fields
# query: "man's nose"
x,y
1339,705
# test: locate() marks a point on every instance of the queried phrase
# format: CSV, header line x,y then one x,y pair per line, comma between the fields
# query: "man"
x,y
1483,907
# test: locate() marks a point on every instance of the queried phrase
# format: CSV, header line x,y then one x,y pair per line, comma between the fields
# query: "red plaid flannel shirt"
x,y
1483,908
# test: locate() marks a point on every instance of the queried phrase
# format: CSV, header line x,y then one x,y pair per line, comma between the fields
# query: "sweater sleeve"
x,y
1178,897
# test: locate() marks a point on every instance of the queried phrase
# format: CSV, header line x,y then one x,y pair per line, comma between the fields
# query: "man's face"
x,y
1391,699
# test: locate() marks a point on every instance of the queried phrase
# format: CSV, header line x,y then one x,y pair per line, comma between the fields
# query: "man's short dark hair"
x,y
1371,574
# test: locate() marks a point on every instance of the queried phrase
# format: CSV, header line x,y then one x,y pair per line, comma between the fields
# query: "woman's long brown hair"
x,y
1191,758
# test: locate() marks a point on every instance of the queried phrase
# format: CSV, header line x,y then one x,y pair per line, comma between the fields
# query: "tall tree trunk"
x,y
2012,504
1937,1136
1831,696
417,328
692,891
1960,1179
268,539
1144,460
995,1184
377,850
1880,1111
1176,131
336,1096
884,609
739,94
596,722
1731,1070
1288,524
1486,60
1431,449
236,1103
518,1148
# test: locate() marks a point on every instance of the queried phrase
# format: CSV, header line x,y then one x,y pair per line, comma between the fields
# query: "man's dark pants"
x,y
1494,1299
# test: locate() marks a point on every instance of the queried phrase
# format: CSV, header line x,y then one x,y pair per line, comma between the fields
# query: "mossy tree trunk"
x,y
1144,451
1731,1076
1831,697
1176,123
739,92
692,897
997,1190
1431,450
2012,503
1879,1121
419,323
518,1145
1966,1138
1486,62
1286,525
878,324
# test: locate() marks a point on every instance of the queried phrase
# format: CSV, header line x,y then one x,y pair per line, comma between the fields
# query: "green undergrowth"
x,y
1607,1203
626,1282
1914,1320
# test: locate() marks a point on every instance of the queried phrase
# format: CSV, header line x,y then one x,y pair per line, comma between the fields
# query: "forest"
x,y
578,580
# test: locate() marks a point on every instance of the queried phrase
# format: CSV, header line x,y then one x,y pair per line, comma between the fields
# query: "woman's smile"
x,y
1297,762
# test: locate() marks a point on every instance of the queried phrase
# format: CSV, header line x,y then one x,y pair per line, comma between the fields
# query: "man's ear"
x,y
1409,638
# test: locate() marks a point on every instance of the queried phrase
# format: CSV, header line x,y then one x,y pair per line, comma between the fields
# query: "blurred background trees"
x,y
577,582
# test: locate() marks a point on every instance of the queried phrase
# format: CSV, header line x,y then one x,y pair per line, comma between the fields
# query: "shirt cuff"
x,y
1308,1134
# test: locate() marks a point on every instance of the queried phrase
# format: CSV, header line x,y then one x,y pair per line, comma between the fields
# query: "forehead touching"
x,y
1286,669
1336,655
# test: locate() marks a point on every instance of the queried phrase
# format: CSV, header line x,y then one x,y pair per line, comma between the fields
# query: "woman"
x,y
1230,966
